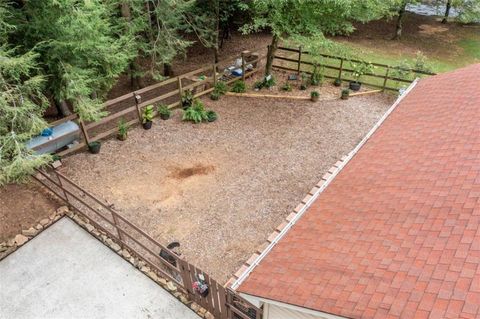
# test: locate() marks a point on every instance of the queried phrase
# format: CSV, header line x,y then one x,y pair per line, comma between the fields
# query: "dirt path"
x,y
221,188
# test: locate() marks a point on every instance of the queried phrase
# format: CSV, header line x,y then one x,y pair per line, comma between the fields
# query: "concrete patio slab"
x,y
66,273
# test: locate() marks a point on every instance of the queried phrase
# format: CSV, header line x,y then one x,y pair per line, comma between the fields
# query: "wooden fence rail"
x,y
221,302
335,68
169,92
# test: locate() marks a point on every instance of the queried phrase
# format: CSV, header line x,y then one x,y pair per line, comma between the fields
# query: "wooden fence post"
x,y
84,132
386,78
341,69
214,74
138,100
180,89
243,66
299,59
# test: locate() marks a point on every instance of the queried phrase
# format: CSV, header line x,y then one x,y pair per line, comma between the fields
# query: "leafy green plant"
x,y
211,116
305,81
164,112
267,82
360,69
187,99
303,87
345,94
215,96
287,87
221,88
314,94
122,129
196,113
239,87
148,114
317,76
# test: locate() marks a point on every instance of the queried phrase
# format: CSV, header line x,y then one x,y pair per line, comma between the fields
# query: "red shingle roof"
x,y
397,233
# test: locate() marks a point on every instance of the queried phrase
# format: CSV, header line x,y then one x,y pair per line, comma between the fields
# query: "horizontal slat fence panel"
x,y
333,67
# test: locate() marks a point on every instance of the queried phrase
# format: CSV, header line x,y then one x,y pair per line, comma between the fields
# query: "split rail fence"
x,y
221,302
169,92
385,77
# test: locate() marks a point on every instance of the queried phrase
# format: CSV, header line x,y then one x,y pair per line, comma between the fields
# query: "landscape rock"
x,y
20,239
115,247
184,299
11,242
171,286
208,315
62,210
125,253
3,247
30,232
44,222
89,227
194,306
39,227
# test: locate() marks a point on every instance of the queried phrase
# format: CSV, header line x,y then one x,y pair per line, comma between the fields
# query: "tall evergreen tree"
x,y
21,108
82,53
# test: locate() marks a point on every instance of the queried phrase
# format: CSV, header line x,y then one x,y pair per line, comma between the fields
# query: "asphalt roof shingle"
x,y
397,232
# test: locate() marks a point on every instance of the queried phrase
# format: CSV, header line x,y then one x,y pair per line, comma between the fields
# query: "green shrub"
x,y
303,87
148,114
122,128
187,99
221,88
211,116
196,113
239,87
267,82
317,76
287,87
215,96
314,94
164,111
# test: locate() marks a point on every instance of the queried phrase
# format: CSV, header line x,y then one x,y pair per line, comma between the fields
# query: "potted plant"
x,y
345,94
215,96
211,116
239,87
94,147
196,113
164,112
221,88
317,76
147,117
122,130
359,70
337,82
286,87
314,95
187,99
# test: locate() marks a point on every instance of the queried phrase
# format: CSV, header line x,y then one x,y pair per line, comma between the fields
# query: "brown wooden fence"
x,y
169,92
385,77
221,302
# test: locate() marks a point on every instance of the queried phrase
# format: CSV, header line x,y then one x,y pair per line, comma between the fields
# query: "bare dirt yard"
x,y
221,188
23,206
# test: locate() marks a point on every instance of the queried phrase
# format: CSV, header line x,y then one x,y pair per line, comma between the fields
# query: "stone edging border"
x,y
289,218
12,244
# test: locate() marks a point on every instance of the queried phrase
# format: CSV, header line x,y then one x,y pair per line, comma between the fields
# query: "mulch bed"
x,y
221,188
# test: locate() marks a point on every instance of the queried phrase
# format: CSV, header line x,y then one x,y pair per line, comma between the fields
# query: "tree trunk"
x,y
167,70
216,54
272,49
398,31
62,108
447,11
136,80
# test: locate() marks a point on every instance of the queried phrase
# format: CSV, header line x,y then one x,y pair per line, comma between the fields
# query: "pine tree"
x,y
82,53
21,108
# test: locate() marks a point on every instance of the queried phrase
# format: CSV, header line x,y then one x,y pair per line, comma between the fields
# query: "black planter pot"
x,y
147,125
94,147
337,82
354,85
164,116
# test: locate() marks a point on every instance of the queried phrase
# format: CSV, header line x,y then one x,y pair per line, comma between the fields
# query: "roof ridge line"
x,y
326,180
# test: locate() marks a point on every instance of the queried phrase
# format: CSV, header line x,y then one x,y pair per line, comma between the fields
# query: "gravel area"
x,y
221,188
